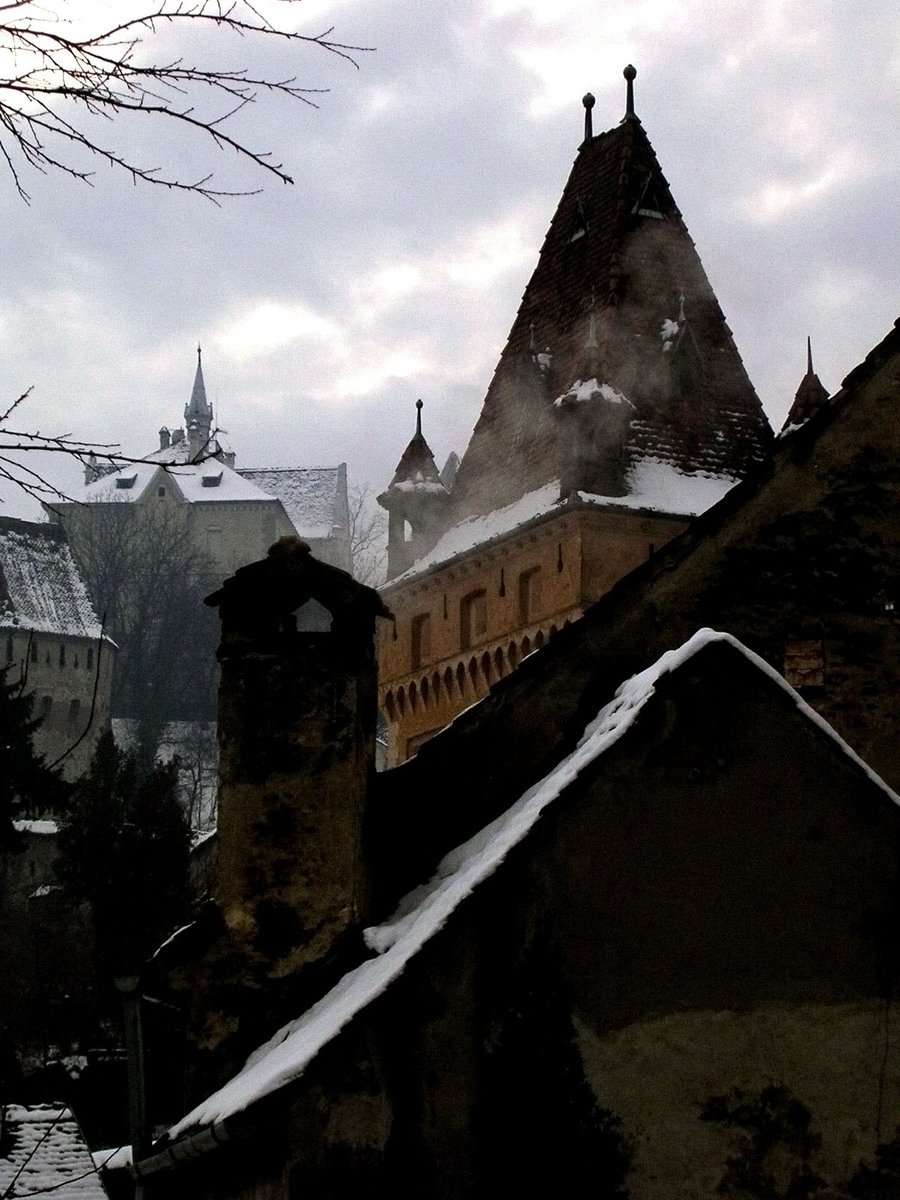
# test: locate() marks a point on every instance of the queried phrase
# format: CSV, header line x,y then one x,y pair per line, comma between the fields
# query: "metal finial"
x,y
630,74
588,101
198,352
809,369
419,407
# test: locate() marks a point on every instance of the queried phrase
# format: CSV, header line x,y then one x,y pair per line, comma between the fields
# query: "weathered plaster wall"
x,y
658,1075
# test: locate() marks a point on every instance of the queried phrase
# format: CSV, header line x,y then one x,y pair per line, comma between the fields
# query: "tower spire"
x,y
588,101
809,366
630,73
419,407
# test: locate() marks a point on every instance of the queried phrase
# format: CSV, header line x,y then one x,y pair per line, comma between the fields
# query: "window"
x,y
472,618
420,640
62,654
529,595
34,651
9,648
161,491
46,707
74,711
90,658
804,663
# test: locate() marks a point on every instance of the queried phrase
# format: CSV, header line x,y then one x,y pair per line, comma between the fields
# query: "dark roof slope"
x,y
616,246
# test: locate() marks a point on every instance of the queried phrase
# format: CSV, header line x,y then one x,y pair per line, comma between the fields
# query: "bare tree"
x,y
368,536
144,572
63,73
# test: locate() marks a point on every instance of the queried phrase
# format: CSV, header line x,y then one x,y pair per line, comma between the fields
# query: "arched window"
x,y
9,648
472,618
62,654
74,711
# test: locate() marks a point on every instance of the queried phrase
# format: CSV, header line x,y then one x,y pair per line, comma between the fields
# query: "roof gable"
x,y
425,911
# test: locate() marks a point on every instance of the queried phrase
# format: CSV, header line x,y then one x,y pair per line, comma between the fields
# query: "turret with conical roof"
x,y
810,396
416,497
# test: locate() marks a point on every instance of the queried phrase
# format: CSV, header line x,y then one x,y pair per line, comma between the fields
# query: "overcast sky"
x,y
425,182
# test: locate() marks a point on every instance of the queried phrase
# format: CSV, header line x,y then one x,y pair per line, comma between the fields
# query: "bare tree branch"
x,y
368,536
57,82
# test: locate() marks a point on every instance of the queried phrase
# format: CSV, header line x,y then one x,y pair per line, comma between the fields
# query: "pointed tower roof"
x,y
417,470
198,407
618,235
811,394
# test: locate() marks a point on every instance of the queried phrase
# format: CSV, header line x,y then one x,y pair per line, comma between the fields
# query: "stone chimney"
x,y
297,718
165,438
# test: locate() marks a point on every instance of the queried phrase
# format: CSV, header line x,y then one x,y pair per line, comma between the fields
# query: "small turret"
x,y
416,497
810,397
165,438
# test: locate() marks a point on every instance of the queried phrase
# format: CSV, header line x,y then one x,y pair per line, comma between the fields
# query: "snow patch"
x,y
588,389
41,827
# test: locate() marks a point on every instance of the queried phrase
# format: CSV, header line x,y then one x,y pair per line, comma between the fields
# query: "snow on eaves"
x,y
49,1154
653,486
424,912
41,588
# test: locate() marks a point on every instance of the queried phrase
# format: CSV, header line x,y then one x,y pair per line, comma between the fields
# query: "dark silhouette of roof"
x,y
617,247
811,394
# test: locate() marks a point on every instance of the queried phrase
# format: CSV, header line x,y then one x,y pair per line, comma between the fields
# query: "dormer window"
x,y
581,223
213,479
126,481
649,203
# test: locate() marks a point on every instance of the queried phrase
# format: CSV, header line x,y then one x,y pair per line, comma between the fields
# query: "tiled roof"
x,y
40,585
45,1152
620,282
315,498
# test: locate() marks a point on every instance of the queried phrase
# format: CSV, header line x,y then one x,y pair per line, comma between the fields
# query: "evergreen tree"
x,y
27,784
124,848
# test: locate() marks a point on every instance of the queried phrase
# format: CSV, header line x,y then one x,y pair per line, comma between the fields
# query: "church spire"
x,y
198,407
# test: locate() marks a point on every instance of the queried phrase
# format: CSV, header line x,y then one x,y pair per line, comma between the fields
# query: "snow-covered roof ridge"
x,y
424,911
49,1154
41,588
653,486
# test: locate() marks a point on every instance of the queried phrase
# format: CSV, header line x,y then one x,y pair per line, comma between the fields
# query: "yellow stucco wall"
x,y
577,556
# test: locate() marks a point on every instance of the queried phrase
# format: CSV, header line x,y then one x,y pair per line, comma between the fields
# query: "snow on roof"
x,y
210,480
48,1153
313,497
653,486
41,826
425,911
41,588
